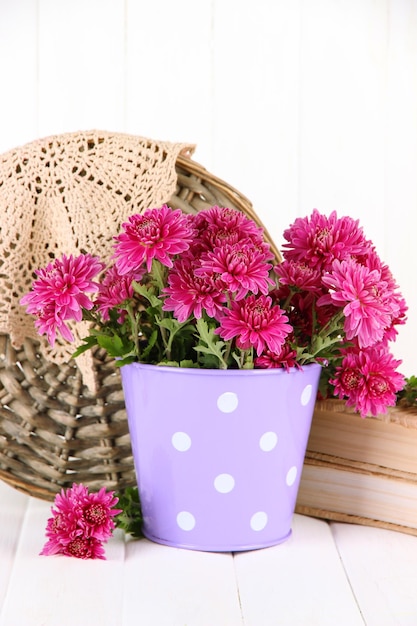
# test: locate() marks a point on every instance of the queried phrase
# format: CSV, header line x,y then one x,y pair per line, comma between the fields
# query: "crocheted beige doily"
x,y
70,193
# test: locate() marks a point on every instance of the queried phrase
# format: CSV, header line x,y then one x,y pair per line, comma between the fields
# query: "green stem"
x,y
333,325
158,275
247,361
134,325
158,272
225,359
165,341
168,344
90,316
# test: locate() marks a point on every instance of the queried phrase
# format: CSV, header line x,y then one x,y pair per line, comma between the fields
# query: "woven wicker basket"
x,y
53,430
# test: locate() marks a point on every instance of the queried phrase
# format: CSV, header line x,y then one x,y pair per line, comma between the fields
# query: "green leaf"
x,y
114,345
169,323
147,293
214,346
130,519
408,395
184,363
209,361
125,361
89,342
173,325
188,363
151,342
169,363
178,333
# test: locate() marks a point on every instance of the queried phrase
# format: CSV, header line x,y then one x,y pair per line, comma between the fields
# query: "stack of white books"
x,y
361,470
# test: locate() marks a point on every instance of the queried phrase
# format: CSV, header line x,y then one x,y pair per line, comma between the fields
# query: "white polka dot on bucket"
x,y
306,395
259,520
186,520
291,476
224,483
181,441
227,402
268,441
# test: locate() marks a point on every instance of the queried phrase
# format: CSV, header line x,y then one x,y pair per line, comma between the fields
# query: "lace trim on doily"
x,y
69,194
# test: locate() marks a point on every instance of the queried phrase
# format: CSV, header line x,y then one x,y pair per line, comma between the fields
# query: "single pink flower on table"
x,y
318,240
189,294
97,515
84,548
80,522
367,303
255,323
369,380
158,233
242,267
61,529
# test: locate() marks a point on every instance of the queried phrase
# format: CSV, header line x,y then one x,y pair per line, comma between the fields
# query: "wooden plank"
x,y
166,586
256,55
12,511
81,79
18,70
298,582
382,570
58,590
400,137
169,72
342,92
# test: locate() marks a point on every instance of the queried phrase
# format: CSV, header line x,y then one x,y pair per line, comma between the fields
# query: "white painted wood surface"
x,y
325,574
297,103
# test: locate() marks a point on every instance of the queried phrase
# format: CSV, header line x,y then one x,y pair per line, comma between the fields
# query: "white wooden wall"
x,y
297,103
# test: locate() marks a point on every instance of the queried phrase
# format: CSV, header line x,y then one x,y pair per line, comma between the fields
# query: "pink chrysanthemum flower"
x,y
49,322
242,267
373,262
59,293
318,240
114,290
398,319
367,303
255,323
369,380
80,522
299,275
84,548
158,233
65,282
189,294
286,358
97,513
218,226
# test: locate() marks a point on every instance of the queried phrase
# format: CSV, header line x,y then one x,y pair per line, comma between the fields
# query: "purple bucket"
x,y
218,453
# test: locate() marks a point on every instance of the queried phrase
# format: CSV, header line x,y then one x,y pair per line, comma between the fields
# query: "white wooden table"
x,y
325,574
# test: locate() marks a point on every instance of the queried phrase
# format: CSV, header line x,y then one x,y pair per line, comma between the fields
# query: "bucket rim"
x,y
196,371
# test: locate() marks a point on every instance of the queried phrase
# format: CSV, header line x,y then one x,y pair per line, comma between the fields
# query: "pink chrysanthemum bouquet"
x,y
81,523
203,291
